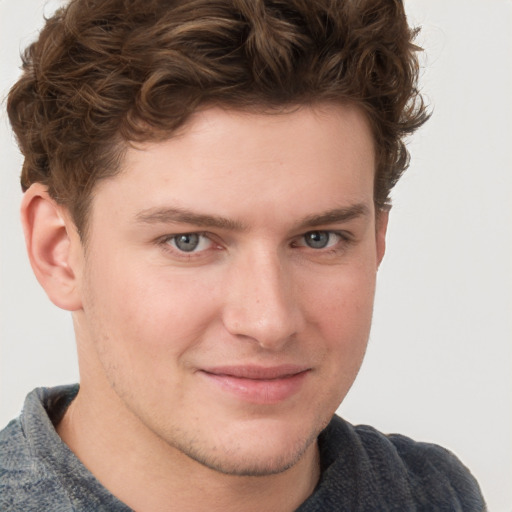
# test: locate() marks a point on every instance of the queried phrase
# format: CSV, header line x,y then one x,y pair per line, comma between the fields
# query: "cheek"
x,y
343,303
342,315
147,312
339,316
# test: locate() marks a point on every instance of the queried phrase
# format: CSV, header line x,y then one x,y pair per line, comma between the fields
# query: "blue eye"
x,y
189,242
320,239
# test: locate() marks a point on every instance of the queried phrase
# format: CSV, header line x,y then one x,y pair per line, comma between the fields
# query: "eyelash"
x,y
344,239
342,236
165,242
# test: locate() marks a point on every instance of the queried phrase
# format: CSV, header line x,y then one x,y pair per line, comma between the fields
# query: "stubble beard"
x,y
232,463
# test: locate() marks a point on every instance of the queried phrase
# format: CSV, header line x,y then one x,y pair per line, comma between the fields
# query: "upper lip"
x,y
256,372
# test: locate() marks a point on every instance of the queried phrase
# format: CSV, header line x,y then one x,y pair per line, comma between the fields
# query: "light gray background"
x,y
438,366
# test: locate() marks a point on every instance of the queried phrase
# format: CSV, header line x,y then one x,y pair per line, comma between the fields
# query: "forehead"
x,y
224,160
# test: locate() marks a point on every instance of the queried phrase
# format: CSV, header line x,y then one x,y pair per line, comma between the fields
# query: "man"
x,y
207,191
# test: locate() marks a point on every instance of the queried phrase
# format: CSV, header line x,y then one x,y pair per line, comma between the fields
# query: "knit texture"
x,y
361,469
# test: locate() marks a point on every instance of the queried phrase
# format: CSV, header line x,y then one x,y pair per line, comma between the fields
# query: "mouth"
x,y
257,384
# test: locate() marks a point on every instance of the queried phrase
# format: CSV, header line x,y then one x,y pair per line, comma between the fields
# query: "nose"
x,y
261,302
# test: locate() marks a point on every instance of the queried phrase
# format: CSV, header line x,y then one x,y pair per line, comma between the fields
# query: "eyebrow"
x,y
170,215
336,215
182,215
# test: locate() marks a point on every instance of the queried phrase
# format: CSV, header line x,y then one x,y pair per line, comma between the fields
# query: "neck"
x,y
146,473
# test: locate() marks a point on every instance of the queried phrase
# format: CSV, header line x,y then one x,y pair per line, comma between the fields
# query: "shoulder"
x,y
431,469
26,484
393,470
15,460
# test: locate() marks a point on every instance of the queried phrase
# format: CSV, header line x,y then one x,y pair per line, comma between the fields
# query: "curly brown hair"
x,y
105,73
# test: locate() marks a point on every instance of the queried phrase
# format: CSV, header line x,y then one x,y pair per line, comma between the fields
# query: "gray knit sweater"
x,y
362,469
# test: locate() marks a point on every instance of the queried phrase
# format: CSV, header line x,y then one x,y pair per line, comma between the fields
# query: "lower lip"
x,y
259,391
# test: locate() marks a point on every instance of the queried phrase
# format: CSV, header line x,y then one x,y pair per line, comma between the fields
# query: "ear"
x,y
380,233
53,245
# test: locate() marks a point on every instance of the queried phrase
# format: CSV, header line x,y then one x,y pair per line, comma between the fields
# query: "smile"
x,y
258,385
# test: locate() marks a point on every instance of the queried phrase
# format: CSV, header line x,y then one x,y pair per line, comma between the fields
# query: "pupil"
x,y
187,243
317,239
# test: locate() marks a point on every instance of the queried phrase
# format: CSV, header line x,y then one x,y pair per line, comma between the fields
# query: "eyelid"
x,y
201,242
343,236
164,242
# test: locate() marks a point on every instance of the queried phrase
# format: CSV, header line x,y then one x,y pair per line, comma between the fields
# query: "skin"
x,y
157,326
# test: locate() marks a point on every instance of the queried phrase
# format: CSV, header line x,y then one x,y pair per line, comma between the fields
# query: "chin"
x,y
240,463
262,450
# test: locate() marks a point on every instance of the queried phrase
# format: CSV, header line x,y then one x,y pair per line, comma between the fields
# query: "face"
x,y
228,282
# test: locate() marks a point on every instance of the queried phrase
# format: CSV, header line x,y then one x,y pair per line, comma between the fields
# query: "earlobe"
x,y
380,234
50,239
